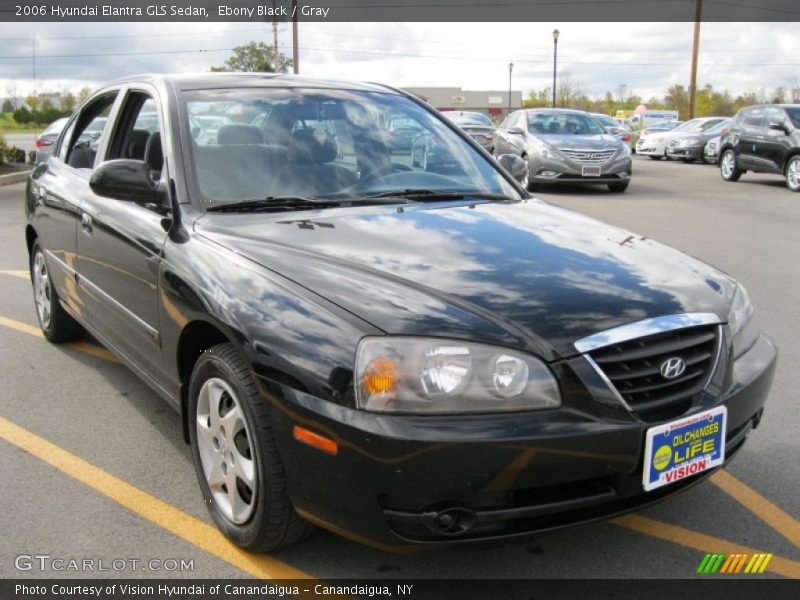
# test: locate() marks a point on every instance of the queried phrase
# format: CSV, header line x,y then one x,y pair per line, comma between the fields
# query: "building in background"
x,y
493,103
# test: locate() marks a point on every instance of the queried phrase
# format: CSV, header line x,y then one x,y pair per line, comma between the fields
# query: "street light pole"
x,y
555,62
510,69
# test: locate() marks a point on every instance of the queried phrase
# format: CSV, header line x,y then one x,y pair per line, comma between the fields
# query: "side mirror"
x,y
515,165
516,131
124,179
779,127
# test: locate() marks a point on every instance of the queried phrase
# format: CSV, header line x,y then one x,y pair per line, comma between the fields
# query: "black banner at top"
x,y
401,10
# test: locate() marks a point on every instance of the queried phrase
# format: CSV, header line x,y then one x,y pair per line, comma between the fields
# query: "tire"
x,y
618,188
260,518
728,168
793,174
56,324
655,157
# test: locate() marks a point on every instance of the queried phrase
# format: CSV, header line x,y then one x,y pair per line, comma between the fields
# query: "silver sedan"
x,y
563,146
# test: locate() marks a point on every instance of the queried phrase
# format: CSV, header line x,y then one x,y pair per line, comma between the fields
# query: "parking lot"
x,y
95,466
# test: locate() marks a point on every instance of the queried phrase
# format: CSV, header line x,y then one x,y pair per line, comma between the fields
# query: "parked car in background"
x,y
763,139
477,125
711,151
654,145
371,348
614,128
690,147
563,146
45,140
402,132
659,127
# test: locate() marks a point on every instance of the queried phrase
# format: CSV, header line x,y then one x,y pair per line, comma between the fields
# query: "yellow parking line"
x,y
177,522
20,274
86,348
772,515
701,542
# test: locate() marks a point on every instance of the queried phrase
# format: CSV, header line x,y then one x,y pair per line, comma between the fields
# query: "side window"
x,y
775,115
754,117
85,133
138,133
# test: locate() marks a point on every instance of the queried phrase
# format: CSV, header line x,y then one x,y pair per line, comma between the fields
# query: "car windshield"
x,y
469,119
606,121
563,123
693,125
794,115
717,129
334,144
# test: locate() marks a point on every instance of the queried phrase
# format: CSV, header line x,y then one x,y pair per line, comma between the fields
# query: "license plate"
x,y
592,171
682,448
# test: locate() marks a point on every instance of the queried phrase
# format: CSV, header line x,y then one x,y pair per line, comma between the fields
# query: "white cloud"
x,y
647,57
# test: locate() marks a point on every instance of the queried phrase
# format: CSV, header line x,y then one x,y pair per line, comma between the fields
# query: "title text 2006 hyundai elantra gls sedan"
x,y
401,355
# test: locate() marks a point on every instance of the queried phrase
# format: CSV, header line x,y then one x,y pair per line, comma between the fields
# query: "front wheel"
x,y
727,166
235,455
618,188
793,174
56,324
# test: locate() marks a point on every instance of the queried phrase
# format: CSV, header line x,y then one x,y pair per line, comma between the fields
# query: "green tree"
x,y
255,57
8,106
677,97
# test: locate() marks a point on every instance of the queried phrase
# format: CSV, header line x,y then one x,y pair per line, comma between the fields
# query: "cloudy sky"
x,y
646,57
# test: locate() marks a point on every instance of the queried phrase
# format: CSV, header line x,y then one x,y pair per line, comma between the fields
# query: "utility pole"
x,y
555,63
698,13
33,54
275,29
295,49
510,69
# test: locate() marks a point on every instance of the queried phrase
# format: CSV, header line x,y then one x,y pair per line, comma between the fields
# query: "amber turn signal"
x,y
380,377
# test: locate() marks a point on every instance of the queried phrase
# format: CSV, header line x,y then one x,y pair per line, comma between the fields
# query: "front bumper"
x,y
693,152
648,148
557,170
401,480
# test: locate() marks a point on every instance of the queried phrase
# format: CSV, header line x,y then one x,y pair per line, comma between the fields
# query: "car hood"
x,y
581,142
525,274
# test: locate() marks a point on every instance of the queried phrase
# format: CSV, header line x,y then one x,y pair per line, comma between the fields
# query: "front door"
x,y
120,245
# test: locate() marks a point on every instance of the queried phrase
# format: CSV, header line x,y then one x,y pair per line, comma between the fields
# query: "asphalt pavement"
x,y
94,465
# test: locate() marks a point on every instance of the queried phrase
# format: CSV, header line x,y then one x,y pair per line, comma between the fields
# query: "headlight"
x,y
741,323
691,142
427,375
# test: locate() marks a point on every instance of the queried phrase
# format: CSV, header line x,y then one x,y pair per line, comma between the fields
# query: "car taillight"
x,y
626,137
489,136
724,130
40,143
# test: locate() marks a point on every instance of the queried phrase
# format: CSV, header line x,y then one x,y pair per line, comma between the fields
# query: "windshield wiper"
x,y
275,204
427,195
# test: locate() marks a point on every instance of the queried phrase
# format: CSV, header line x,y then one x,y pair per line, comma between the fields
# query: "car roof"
x,y
555,110
223,80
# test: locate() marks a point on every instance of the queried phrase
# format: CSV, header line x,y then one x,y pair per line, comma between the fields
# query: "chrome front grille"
x,y
634,369
589,157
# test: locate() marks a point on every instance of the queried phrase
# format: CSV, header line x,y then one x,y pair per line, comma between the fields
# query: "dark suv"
x,y
763,139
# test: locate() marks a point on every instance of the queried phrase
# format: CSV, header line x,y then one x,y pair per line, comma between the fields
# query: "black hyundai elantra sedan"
x,y
400,354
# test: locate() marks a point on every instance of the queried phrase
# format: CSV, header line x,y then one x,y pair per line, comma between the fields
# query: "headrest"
x,y
137,141
238,133
153,153
312,146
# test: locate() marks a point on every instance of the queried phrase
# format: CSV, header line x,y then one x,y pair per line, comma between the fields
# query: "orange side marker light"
x,y
315,440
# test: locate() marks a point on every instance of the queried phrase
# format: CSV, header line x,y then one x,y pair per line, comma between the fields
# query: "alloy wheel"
x,y
793,174
728,165
226,450
41,289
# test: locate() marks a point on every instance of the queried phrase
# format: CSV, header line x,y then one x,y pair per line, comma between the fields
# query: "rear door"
x,y
120,242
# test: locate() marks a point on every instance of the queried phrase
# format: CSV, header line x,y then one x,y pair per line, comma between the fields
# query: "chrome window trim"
x,y
638,329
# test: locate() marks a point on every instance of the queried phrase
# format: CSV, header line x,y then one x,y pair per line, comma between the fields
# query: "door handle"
x,y
86,223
